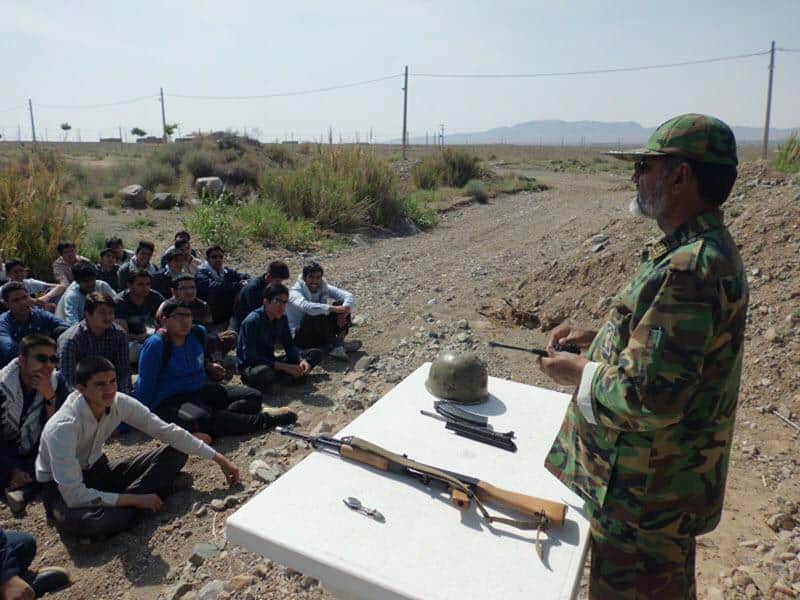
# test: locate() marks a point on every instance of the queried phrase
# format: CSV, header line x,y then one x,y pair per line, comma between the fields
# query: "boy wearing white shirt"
x,y
86,495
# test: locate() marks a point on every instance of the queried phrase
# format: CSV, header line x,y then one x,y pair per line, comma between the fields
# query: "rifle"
x,y
538,352
463,488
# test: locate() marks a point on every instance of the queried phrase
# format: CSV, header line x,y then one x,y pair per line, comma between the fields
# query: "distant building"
x,y
290,142
150,139
116,140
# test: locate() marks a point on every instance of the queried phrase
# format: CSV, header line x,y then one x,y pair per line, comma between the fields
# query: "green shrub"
x,y
199,163
787,157
267,223
92,245
170,155
33,216
123,173
141,223
279,155
240,173
342,188
417,207
215,223
91,200
155,174
477,190
449,167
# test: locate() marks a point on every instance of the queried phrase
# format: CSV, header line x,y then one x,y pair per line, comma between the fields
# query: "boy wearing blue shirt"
x,y
172,383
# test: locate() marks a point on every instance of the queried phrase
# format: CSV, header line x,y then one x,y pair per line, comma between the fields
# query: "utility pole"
x,y
426,138
163,118
33,124
405,113
769,100
441,135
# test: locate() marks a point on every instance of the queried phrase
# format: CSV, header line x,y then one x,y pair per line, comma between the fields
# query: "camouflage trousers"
x,y
629,563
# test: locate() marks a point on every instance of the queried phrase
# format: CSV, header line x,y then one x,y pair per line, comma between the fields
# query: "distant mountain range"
x,y
573,133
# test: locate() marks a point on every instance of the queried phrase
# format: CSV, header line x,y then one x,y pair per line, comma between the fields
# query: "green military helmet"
x,y
460,377
697,137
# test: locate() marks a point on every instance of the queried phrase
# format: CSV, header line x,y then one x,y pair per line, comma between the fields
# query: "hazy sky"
x,y
85,53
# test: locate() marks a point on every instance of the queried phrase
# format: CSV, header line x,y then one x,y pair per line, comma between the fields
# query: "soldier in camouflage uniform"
x,y
647,438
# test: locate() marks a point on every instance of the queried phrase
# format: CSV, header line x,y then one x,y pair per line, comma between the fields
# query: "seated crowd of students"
x,y
112,346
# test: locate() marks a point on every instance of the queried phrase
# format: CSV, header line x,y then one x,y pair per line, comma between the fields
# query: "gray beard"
x,y
634,208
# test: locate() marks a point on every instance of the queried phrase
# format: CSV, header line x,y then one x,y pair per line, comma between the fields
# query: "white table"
x,y
427,548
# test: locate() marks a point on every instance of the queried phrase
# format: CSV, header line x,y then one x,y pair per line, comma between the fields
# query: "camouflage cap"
x,y
696,137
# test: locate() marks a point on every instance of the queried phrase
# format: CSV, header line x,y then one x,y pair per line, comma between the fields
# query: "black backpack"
x,y
197,332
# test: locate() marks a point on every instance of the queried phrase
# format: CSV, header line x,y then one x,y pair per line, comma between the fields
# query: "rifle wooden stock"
x,y
529,505
367,458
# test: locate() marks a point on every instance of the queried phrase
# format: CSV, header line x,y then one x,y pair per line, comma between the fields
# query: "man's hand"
x,y
227,336
44,386
340,310
564,368
566,333
305,367
151,502
18,479
16,589
230,470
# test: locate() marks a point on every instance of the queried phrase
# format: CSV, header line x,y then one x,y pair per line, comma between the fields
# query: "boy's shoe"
x,y
50,579
278,416
312,356
183,481
16,501
352,345
339,353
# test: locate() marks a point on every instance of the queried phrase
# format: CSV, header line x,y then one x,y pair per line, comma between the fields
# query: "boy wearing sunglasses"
x,y
30,392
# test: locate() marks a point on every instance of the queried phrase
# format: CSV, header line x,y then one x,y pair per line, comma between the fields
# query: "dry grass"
x,y
33,217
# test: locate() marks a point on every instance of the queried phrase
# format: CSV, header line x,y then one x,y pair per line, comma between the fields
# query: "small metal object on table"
x,y
355,504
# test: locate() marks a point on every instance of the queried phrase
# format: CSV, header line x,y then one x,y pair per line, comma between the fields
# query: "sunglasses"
x,y
43,358
642,166
279,301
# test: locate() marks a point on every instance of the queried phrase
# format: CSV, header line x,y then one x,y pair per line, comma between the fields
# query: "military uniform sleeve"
x,y
649,387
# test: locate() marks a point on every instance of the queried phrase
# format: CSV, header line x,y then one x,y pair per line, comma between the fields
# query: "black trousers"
x,y
19,553
319,331
216,409
148,473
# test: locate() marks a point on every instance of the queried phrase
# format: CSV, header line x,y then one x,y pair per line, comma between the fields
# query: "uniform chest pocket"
x,y
616,333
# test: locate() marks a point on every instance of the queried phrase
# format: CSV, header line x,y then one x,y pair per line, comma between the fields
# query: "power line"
x,y
589,72
788,49
283,94
104,105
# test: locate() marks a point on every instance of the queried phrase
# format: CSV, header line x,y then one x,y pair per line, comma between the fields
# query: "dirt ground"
x,y
510,269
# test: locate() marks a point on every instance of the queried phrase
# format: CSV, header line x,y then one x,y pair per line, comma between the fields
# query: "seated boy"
x,y
319,313
260,331
87,495
135,310
219,343
252,294
85,281
108,268
219,285
96,335
30,392
21,319
62,266
173,383
43,294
